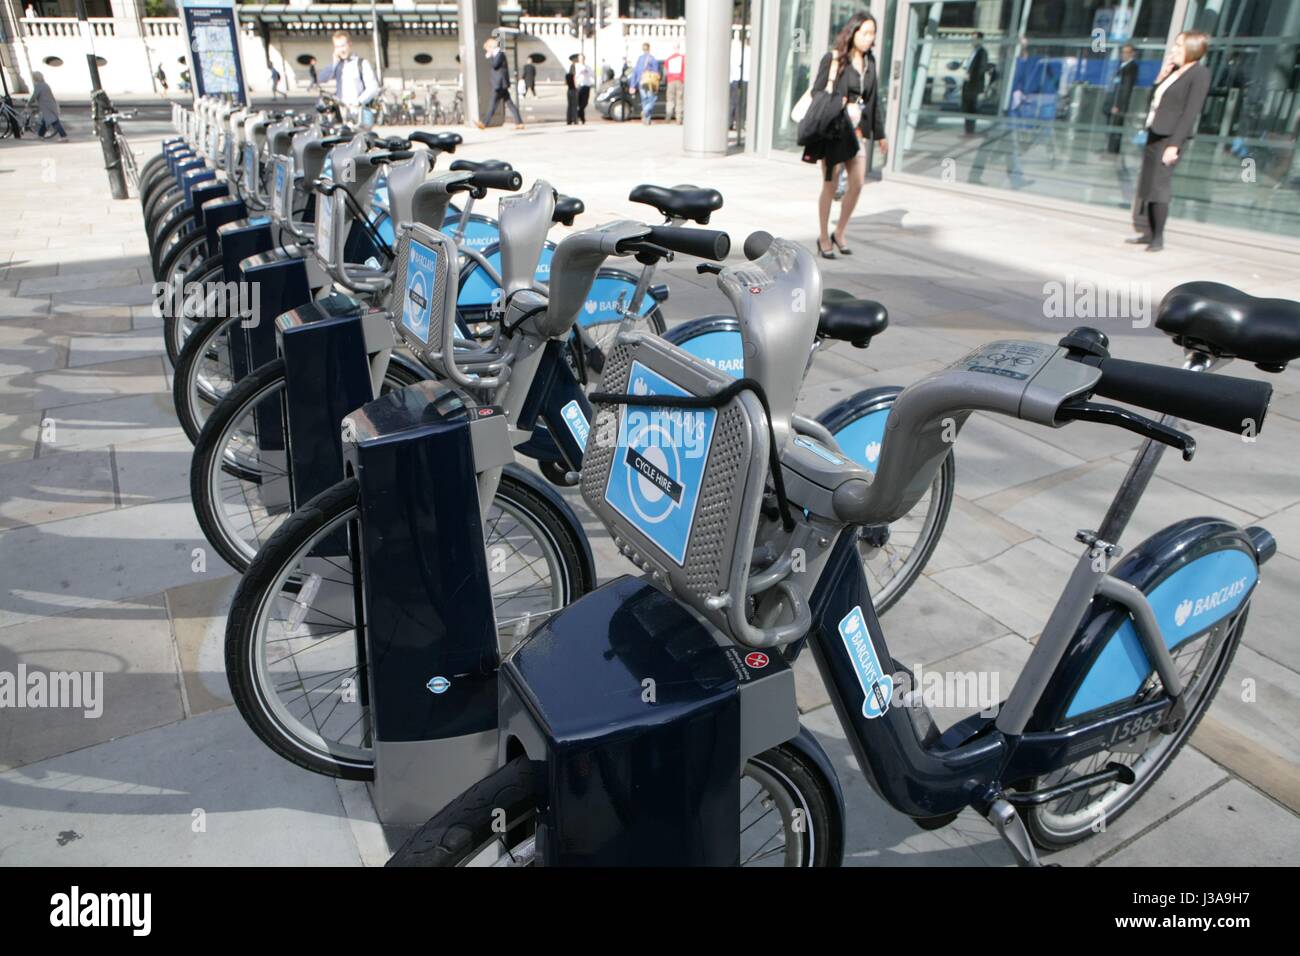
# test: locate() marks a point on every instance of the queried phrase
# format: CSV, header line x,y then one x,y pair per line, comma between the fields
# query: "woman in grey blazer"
x,y
1176,105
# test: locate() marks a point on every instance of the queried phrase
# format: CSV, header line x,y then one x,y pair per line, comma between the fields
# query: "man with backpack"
x,y
354,82
646,78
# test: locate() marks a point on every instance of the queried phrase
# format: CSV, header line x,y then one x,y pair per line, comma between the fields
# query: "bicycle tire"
x,y
318,518
179,227
467,826
175,331
210,460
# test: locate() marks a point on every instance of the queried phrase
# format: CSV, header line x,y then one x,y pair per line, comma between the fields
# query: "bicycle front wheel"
x,y
294,633
788,817
240,476
893,555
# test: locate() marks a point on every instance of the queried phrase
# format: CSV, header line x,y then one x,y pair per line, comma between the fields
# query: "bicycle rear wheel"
x,y
1201,663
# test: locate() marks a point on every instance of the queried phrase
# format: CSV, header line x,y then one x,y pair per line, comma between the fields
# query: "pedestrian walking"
x,y
43,99
675,78
275,83
530,78
646,77
161,77
844,116
585,79
1180,93
496,58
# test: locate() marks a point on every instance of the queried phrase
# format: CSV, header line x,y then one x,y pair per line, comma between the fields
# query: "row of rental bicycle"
x,y
390,390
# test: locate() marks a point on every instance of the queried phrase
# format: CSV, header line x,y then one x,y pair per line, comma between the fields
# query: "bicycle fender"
x,y
1196,573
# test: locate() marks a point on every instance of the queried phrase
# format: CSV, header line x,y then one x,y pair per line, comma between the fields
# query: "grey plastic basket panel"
x,y
723,519
418,301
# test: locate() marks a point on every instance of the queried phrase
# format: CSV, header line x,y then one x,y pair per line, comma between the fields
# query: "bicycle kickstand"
x,y
1011,828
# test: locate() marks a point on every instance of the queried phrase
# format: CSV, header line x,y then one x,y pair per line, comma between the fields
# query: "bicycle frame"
x,y
1078,693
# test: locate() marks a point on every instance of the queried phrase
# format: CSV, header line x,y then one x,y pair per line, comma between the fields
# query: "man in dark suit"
x,y
530,78
976,66
571,92
496,58
1120,94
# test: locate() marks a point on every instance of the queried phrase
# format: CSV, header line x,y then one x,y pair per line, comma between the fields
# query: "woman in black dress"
x,y
849,73
1176,105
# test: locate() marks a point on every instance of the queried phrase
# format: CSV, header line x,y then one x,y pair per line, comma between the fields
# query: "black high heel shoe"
x,y
844,250
826,253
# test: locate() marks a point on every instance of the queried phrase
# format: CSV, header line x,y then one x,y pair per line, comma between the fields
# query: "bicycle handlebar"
x,y
494,178
1219,401
699,243
378,159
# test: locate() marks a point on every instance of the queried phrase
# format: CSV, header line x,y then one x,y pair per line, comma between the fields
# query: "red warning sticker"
x,y
756,660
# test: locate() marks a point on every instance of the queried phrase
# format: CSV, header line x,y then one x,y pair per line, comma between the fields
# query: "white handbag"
x,y
801,107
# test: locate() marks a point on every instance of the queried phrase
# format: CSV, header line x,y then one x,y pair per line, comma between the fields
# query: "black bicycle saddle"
x,y
566,208
1228,323
438,142
469,165
848,319
679,202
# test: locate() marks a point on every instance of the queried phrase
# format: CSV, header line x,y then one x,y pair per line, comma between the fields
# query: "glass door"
x,y
1029,94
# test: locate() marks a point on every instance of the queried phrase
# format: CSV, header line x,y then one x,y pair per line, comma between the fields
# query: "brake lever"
x,y
709,268
1130,421
646,253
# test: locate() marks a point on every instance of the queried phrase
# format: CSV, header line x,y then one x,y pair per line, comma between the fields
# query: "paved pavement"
x,y
97,536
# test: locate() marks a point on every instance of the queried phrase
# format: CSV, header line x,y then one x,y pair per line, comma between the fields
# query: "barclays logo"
x,y
1189,609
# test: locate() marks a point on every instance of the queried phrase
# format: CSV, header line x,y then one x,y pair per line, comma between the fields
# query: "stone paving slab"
x,y
130,646
50,489
1231,825
137,801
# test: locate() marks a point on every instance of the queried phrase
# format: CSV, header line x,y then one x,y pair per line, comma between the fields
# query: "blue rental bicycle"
x,y
634,724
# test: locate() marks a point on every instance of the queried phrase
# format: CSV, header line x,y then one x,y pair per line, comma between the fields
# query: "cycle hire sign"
x,y
421,269
212,38
654,480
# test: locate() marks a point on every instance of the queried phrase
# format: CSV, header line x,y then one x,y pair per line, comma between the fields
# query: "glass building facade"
x,y
1054,100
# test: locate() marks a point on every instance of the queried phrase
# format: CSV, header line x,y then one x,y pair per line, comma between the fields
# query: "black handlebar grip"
x,y
507,179
700,243
1220,401
757,243
374,159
